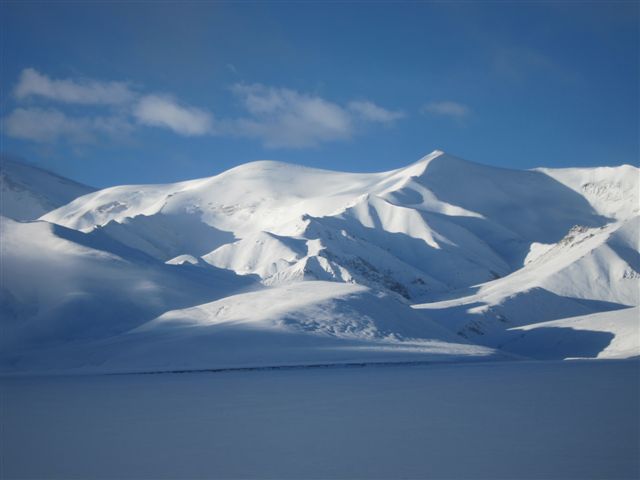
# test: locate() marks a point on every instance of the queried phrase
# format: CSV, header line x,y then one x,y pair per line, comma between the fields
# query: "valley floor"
x,y
533,420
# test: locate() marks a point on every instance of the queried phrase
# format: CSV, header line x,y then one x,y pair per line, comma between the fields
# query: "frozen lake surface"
x,y
490,420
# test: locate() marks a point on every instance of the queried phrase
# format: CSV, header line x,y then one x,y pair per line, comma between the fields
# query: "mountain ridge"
x,y
486,253
28,191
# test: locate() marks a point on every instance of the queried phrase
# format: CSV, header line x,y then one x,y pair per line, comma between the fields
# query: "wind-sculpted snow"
x,y
27,192
158,275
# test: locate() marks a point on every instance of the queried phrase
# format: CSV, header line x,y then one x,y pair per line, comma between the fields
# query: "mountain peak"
x,y
418,167
430,156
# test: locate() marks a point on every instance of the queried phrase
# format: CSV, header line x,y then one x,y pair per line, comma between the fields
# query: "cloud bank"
x,y
277,117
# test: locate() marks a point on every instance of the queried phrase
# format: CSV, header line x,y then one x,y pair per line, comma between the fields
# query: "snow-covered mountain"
x,y
438,224
27,192
271,263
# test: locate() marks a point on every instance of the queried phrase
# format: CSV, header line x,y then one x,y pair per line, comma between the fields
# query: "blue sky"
x,y
111,93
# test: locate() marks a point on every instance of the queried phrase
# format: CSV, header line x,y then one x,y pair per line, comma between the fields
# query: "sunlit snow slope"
x,y
294,265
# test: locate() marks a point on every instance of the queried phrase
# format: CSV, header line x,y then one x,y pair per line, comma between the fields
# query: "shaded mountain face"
x,y
27,192
270,262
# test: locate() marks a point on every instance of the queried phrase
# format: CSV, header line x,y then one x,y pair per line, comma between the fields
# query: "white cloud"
x,y
278,117
163,111
282,117
50,125
371,112
87,92
447,109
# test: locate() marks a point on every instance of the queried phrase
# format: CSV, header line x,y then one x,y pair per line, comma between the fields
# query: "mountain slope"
x,y
59,285
72,300
610,335
308,323
611,191
27,192
270,263
589,271
443,223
